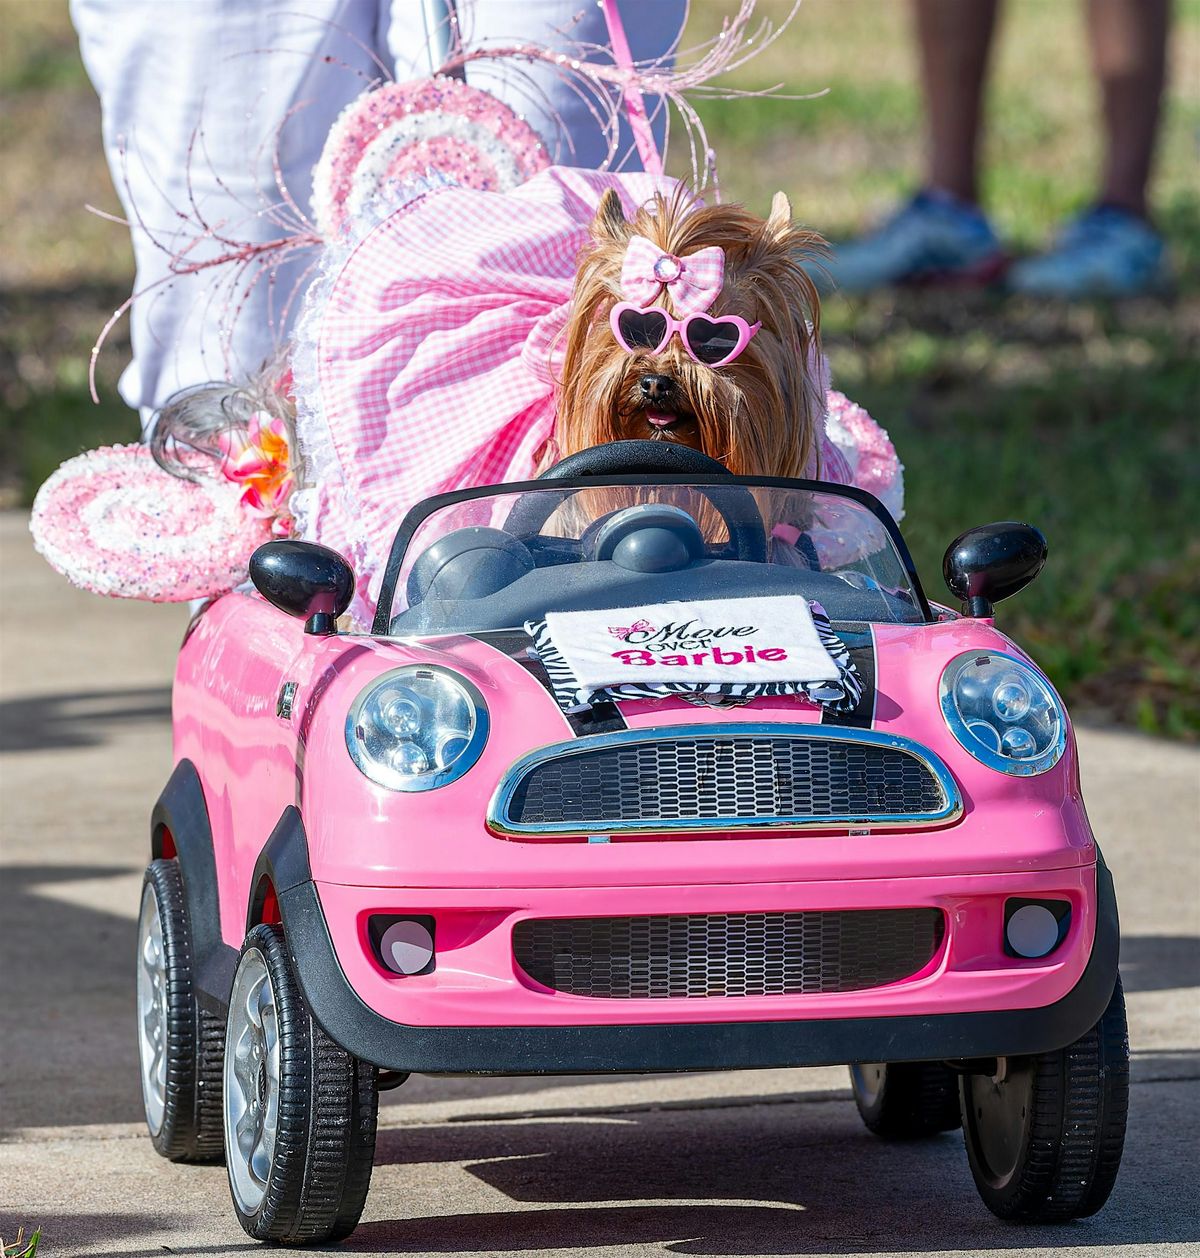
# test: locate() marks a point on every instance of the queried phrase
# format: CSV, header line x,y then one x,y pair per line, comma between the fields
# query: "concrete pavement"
x,y
772,1162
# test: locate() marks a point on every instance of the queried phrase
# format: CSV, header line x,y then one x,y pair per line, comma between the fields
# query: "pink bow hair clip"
x,y
693,282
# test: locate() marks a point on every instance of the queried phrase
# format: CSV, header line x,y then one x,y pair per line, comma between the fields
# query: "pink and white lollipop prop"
x,y
113,522
403,132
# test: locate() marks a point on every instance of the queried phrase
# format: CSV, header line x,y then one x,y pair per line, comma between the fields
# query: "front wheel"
x,y
300,1112
1044,1134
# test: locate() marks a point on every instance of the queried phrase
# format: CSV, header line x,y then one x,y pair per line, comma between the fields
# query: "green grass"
x,y
22,1247
1067,419
48,413
1081,419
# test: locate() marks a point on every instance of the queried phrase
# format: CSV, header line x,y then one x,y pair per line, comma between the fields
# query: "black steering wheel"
x,y
733,503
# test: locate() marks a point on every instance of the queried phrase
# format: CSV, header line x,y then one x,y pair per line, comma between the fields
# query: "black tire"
x,y
1045,1143
906,1100
187,1127
319,1168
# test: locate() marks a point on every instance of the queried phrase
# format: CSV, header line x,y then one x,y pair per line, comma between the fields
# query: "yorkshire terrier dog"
x,y
696,325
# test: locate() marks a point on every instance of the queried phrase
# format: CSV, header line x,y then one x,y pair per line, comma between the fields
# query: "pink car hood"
x,y
254,762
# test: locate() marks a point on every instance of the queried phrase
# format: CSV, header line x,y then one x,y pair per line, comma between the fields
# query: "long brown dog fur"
x,y
758,414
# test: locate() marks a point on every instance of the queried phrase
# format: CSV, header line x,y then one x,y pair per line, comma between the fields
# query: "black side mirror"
x,y
989,563
304,579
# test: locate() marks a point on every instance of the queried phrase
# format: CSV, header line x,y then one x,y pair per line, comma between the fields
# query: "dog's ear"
x,y
609,223
779,220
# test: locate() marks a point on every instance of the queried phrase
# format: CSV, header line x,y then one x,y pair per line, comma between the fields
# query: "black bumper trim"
x,y
551,1050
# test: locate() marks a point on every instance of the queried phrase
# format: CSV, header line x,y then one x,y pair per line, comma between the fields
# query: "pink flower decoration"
x,y
259,459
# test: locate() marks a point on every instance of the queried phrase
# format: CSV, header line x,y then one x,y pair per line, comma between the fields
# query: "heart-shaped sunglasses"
x,y
713,342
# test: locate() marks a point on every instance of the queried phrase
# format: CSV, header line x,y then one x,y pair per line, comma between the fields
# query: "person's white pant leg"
x,y
539,92
198,90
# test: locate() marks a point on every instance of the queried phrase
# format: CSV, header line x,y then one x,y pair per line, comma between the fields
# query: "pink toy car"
x,y
392,851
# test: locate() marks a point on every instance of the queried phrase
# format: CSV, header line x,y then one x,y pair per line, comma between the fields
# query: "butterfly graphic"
x,y
638,626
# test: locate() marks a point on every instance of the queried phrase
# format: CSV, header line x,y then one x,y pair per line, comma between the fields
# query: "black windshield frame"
x,y
418,514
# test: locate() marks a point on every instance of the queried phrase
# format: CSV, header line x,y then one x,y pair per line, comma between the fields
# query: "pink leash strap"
x,y
635,106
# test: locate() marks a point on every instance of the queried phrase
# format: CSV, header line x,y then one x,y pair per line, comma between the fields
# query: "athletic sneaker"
x,y
1105,252
934,238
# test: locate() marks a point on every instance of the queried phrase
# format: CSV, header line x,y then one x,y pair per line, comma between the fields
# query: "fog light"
x,y
1034,928
404,944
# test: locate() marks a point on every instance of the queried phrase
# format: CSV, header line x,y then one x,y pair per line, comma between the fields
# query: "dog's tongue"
x,y
661,419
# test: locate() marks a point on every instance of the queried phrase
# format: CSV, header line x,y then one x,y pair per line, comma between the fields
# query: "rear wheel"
x,y
180,1047
1044,1134
906,1100
300,1112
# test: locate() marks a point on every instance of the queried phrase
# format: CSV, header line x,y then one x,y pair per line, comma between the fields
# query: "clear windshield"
x,y
498,560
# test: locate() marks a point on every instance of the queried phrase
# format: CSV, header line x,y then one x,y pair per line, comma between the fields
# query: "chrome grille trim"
x,y
500,818
728,955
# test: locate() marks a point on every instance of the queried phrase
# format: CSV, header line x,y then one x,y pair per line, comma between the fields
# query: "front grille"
x,y
672,782
727,954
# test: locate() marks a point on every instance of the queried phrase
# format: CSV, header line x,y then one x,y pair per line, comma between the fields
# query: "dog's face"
x,y
753,413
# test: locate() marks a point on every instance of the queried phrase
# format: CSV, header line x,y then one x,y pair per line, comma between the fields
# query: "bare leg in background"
x,y
954,38
1129,47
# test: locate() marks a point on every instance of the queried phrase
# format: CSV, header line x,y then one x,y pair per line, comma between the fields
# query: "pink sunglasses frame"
x,y
745,330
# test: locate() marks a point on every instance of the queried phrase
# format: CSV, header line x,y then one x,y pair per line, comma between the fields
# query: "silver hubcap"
x,y
868,1078
152,1011
251,1084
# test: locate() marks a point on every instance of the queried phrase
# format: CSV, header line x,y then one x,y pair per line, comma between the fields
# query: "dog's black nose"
x,y
657,388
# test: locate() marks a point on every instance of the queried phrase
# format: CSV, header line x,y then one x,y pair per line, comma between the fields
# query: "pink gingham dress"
x,y
436,348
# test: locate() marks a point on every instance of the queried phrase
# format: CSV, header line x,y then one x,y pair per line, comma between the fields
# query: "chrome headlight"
x,y
1003,712
417,728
